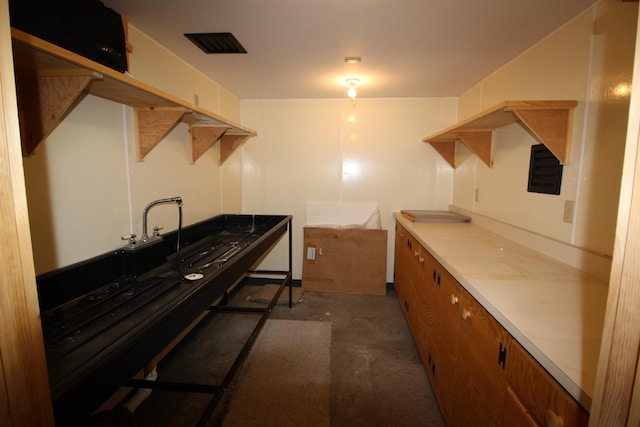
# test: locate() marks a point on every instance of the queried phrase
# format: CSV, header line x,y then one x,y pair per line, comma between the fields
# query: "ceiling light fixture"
x,y
352,59
352,82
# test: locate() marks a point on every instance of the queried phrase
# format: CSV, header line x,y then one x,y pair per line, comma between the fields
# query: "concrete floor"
x,y
377,378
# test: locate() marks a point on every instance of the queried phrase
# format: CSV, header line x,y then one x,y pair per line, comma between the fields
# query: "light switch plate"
x,y
569,211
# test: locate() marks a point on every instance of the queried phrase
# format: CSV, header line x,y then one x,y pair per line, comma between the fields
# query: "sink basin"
x,y
97,341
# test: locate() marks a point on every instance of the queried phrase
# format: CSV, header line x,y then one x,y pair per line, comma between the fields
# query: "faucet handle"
x,y
156,231
131,238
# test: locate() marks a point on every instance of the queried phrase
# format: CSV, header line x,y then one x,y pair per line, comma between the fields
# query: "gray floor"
x,y
376,375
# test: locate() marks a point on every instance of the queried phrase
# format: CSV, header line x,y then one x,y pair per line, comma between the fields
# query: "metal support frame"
x,y
217,390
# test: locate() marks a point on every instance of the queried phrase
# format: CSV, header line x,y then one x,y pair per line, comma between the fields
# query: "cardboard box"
x,y
345,260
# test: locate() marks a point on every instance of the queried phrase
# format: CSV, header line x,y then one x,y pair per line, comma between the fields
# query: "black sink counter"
x,y
106,318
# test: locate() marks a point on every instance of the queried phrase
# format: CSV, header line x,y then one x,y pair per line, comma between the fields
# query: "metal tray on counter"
x,y
433,216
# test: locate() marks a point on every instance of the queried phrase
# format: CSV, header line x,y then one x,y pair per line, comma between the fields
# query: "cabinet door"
x,y
415,315
412,290
407,273
540,392
446,293
402,265
482,383
424,312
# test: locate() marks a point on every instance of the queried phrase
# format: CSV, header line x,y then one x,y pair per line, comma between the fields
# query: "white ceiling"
x,y
296,48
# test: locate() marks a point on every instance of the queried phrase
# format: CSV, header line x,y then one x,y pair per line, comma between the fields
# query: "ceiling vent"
x,y
216,42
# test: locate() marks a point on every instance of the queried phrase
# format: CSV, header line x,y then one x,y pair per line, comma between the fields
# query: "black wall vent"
x,y
545,171
216,42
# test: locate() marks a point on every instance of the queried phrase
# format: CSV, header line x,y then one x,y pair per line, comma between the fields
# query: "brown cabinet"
x,y
423,313
480,375
443,315
407,281
540,394
403,268
515,412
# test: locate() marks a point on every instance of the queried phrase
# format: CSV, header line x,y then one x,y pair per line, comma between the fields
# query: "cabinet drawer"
x,y
515,413
543,396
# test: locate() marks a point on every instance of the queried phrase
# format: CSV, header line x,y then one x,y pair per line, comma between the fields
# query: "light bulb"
x,y
352,88
352,91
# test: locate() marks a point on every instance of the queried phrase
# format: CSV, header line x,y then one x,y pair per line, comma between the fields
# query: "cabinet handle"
x,y
421,260
453,299
465,314
436,277
416,253
552,420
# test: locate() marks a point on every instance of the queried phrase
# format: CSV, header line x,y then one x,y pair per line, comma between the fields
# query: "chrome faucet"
x,y
145,236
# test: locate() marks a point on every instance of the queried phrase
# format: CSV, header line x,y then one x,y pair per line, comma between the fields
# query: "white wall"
x,y
333,151
85,189
584,61
76,184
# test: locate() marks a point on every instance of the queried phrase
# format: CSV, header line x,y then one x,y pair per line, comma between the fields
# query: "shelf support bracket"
x,y
229,143
447,149
552,127
45,99
480,141
152,125
203,137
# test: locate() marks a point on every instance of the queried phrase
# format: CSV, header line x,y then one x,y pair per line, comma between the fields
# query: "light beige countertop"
x,y
553,310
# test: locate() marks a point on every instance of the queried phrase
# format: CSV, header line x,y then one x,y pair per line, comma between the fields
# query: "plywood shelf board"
x,y
33,55
203,117
548,121
37,59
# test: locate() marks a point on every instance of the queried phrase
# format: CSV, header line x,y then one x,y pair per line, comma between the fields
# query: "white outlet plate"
x,y
569,211
311,253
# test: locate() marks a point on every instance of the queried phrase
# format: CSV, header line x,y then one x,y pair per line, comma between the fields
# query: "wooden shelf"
x,y
549,122
51,81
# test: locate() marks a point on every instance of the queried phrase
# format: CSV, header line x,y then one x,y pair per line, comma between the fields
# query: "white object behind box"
x,y
364,215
